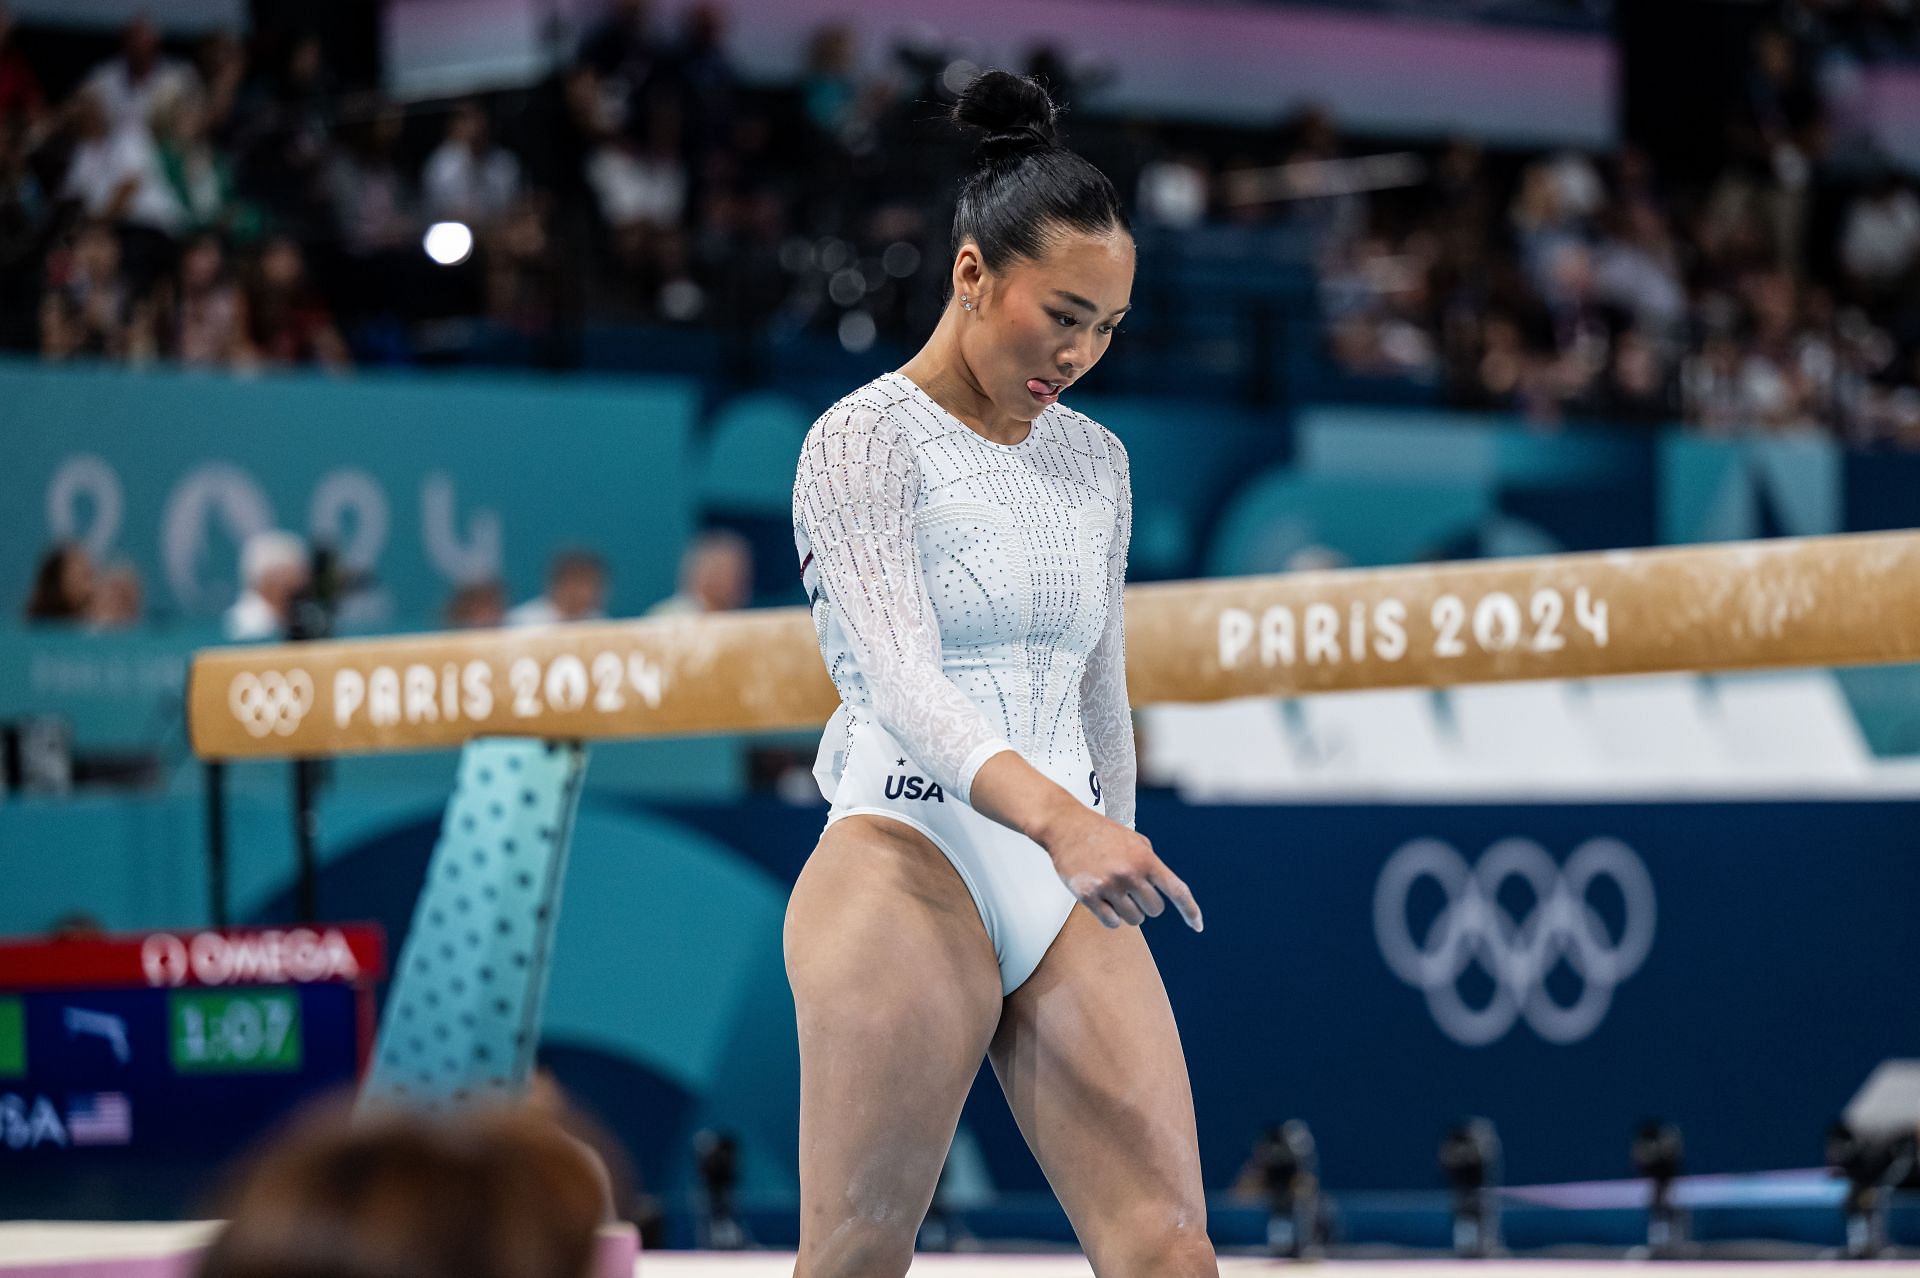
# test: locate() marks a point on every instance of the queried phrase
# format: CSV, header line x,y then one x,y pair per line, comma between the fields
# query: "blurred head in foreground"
x,y
486,1194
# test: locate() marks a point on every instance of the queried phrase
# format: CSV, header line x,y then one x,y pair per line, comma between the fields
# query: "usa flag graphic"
x,y
99,1118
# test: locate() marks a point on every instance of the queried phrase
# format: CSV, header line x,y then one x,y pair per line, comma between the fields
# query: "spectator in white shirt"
x,y
140,78
273,569
576,591
467,178
115,171
1880,244
716,575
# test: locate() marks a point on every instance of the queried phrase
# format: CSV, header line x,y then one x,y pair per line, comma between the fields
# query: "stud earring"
x,y
965,303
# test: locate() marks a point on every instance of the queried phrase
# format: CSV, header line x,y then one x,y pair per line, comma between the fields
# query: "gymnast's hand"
x,y
1110,868
1113,870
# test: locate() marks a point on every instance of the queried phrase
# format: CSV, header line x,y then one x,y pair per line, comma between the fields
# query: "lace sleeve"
x,y
854,495
1104,711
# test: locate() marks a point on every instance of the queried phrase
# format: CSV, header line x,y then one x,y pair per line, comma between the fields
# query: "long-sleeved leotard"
x,y
967,593
967,599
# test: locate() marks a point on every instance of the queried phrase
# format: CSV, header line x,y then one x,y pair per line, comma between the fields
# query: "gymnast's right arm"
x,y
854,496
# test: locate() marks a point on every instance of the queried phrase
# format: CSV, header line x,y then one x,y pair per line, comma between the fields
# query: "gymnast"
x,y
963,541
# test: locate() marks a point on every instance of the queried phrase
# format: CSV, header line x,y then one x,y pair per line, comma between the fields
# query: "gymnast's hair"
x,y
1025,188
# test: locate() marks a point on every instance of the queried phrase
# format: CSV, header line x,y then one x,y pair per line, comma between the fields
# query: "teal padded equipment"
x,y
752,448
1275,515
463,1014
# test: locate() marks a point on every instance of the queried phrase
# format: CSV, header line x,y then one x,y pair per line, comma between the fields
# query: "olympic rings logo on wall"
x,y
270,703
1473,928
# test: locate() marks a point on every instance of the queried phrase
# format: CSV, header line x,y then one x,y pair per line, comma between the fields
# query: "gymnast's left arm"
x,y
1104,712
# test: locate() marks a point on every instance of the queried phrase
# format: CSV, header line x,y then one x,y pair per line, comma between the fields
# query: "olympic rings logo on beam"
x,y
270,703
1473,927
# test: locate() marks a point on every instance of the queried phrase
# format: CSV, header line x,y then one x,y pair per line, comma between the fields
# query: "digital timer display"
x,y
13,1038
255,1031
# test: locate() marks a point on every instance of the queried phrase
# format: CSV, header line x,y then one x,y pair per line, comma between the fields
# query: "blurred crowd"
x,y
237,204
1780,294
125,229
289,590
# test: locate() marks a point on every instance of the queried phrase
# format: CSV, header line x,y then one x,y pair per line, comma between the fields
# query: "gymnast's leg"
x,y
897,992
1090,1060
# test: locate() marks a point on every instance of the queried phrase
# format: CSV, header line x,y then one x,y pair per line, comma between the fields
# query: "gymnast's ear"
x,y
971,278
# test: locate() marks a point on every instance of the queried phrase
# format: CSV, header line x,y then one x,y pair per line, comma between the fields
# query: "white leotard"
x,y
967,599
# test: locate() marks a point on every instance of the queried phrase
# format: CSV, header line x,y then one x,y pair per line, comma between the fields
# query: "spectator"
x,y
273,570
576,591
830,88
1637,270
202,313
63,585
1880,243
1779,138
117,599
372,202
642,194
626,59
1637,388
1173,191
23,219
375,212
282,138
221,61
288,323
705,80
21,100
1557,200
140,80
115,171
1504,365
522,288
90,308
481,1194
1375,301
478,605
716,575
197,178
77,925
1332,219
467,178
1778,129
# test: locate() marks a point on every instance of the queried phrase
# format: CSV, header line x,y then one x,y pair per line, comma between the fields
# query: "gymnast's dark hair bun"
x,y
1026,188
1013,113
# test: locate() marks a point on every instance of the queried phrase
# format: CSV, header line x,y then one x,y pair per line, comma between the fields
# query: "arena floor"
x,y
699,1265
116,1250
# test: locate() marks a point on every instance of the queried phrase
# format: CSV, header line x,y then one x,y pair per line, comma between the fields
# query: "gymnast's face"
x,y
1041,324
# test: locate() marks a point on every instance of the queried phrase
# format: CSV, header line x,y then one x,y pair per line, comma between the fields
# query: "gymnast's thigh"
x,y
897,993
1090,1059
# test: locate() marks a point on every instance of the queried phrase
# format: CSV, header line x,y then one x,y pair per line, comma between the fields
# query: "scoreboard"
x,y
132,1067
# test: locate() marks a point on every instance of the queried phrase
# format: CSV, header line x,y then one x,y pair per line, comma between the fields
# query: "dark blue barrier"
x,y
1772,978
1770,988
